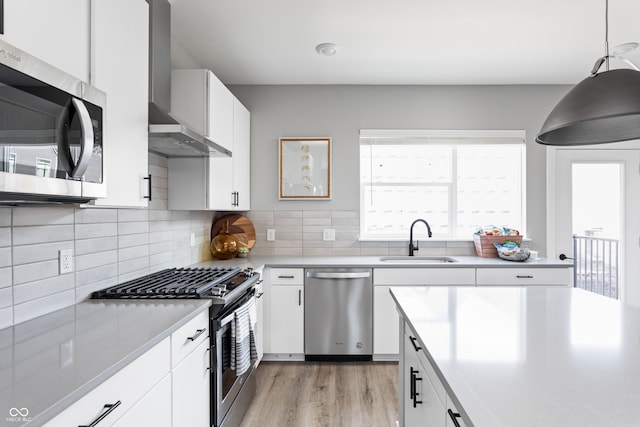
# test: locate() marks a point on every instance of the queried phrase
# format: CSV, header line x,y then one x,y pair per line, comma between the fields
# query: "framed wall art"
x,y
305,168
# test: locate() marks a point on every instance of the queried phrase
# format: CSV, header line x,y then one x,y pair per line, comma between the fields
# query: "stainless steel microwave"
x,y
51,142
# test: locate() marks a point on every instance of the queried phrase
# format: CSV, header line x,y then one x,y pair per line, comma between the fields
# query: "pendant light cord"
x,y
606,34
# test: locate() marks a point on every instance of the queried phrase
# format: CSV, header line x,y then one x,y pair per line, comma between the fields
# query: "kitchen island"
x,y
531,356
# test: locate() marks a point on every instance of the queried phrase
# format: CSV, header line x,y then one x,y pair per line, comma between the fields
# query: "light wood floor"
x,y
310,394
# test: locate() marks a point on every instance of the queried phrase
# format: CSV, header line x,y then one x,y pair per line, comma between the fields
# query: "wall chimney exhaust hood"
x,y
167,135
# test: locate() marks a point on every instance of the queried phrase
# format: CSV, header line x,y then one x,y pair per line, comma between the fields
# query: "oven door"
x,y
226,384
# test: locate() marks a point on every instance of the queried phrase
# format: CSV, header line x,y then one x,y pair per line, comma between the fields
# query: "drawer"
x,y
127,386
524,276
188,337
426,366
424,276
286,276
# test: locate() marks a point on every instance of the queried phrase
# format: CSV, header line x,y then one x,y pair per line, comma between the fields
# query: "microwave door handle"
x,y
86,147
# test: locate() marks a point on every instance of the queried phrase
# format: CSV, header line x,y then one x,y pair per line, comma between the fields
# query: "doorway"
x,y
597,216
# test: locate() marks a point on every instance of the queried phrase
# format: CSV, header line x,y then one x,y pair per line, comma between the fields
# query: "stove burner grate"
x,y
170,283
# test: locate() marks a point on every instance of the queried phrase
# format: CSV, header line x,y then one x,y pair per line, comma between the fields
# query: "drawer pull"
x,y
453,416
197,334
259,295
286,277
524,276
413,341
414,387
110,407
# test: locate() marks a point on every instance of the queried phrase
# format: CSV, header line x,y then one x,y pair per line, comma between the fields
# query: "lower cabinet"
x,y
423,398
190,361
154,409
114,399
286,312
522,276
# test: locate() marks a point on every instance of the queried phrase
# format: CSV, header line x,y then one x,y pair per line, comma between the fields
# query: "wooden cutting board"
x,y
239,225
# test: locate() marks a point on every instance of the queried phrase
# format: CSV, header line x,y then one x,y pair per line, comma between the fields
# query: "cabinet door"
x,y
241,156
260,338
522,276
385,323
191,394
453,414
287,319
421,404
122,73
154,409
220,123
56,32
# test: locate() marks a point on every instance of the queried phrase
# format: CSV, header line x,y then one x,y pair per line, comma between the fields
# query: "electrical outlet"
x,y
271,234
329,234
193,239
65,260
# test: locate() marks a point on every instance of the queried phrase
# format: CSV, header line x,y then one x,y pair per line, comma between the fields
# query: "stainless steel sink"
x,y
418,259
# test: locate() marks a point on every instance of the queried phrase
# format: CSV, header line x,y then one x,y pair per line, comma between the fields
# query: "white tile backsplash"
x,y
110,246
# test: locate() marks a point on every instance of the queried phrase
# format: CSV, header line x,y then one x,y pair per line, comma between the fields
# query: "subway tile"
x,y
345,244
133,227
180,215
133,215
263,251
345,251
314,235
160,247
5,257
158,160
95,216
288,222
97,274
90,231
132,253
96,259
160,183
286,235
255,215
5,236
316,251
161,258
6,297
288,243
345,215
374,251
183,224
133,264
134,274
129,240
160,236
316,214
40,306
6,277
157,172
5,217
155,226
157,204
316,244
42,216
287,214
322,221
42,288
99,244
288,251
26,254
159,216
314,229
347,236
35,271
84,292
42,234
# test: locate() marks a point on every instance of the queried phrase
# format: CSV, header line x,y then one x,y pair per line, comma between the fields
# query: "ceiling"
x,y
402,42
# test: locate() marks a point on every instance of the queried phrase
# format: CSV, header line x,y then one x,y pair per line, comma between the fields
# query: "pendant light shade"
x,y
602,108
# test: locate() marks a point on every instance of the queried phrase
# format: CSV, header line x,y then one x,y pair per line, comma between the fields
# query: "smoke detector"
x,y
327,49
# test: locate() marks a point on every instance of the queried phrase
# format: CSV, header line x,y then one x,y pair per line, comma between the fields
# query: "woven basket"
x,y
484,244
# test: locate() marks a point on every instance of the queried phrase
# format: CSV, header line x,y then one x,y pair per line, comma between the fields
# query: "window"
x,y
455,180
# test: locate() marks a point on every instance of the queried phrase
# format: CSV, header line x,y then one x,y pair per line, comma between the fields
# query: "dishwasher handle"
x,y
338,275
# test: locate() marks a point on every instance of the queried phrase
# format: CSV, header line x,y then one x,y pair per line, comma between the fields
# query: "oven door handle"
x,y
226,320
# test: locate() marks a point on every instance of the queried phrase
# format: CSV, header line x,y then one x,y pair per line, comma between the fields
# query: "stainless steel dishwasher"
x,y
338,314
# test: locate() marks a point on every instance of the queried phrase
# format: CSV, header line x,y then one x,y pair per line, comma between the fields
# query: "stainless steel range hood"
x,y
167,135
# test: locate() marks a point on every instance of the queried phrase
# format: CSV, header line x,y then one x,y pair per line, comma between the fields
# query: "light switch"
x,y
271,234
329,234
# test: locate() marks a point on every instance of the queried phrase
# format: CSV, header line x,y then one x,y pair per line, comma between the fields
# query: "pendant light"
x,y
603,108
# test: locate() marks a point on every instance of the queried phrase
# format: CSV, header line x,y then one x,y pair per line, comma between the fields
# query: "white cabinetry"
x,y
154,409
524,276
385,316
56,32
119,394
260,329
286,312
119,67
216,183
190,360
424,400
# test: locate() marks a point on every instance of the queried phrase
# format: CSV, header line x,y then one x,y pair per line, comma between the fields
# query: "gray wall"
x,y
341,111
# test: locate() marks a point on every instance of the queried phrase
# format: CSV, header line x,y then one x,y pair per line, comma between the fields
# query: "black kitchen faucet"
x,y
415,248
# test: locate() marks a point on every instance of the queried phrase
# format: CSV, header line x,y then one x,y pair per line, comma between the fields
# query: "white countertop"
x,y
48,363
375,262
528,357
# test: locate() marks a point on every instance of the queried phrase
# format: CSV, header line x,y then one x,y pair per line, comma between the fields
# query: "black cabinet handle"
x,y
197,334
413,341
1,16
522,276
453,416
286,277
414,389
148,178
110,407
299,297
259,295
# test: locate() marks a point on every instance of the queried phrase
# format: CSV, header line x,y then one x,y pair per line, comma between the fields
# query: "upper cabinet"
x,y
56,32
213,183
202,101
120,67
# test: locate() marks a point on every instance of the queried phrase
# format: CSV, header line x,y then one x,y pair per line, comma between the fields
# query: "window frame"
x,y
445,137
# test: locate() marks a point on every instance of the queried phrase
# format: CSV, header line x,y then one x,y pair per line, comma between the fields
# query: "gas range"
x,y
221,285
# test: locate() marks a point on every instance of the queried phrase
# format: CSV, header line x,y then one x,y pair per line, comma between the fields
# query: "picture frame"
x,y
304,168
